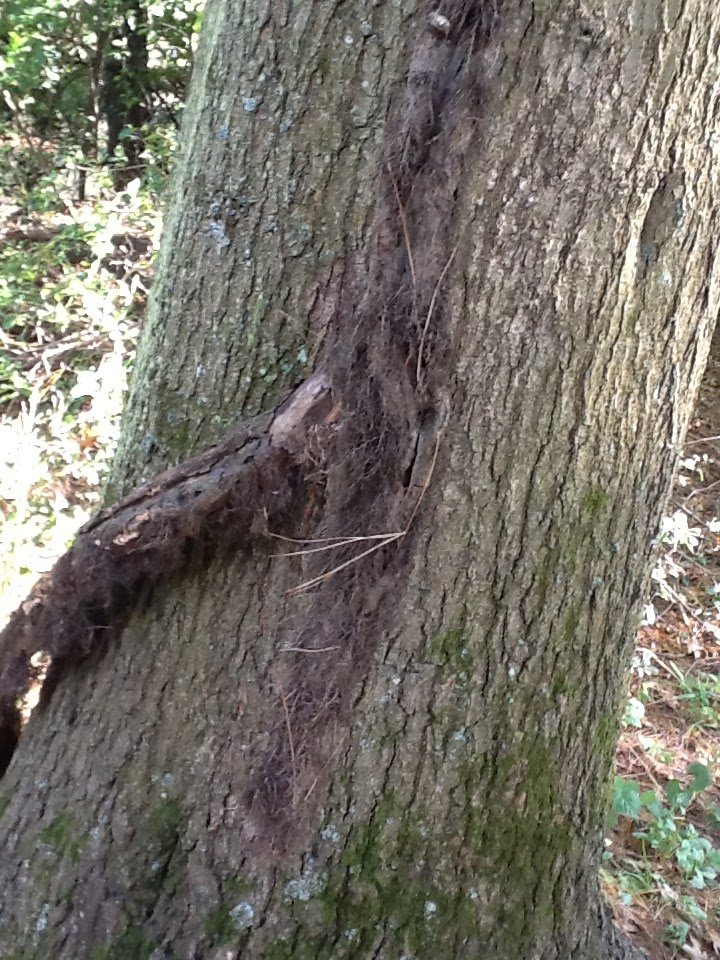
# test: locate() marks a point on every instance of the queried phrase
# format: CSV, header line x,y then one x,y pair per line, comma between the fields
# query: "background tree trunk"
x,y
492,227
125,92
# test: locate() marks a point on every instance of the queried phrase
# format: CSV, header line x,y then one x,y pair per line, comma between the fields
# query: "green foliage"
x,y
702,696
663,859
662,822
68,327
74,279
663,829
70,67
676,933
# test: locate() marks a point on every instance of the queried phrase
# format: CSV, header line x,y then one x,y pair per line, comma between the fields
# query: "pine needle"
x,y
385,538
348,563
431,309
403,221
290,737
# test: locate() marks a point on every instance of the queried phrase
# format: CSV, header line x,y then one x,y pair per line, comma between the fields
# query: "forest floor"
x,y
73,286
662,857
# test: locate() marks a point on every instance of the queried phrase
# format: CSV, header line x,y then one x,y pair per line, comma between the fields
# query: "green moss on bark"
x,y
452,649
594,503
132,944
235,914
395,880
219,926
62,837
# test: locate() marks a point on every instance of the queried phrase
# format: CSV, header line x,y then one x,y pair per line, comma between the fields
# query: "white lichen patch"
x,y
242,915
304,888
42,919
215,232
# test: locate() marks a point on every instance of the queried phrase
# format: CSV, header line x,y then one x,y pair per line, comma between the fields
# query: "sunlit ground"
x,y
68,325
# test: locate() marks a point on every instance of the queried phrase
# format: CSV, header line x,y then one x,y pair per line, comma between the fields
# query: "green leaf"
x,y
676,796
701,777
676,933
689,906
626,799
649,800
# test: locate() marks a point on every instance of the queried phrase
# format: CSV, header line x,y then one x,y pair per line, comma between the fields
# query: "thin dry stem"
x,y
279,536
348,563
426,484
336,544
431,309
290,737
403,221
309,649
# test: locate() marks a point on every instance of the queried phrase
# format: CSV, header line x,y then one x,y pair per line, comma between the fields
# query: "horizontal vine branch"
x,y
219,499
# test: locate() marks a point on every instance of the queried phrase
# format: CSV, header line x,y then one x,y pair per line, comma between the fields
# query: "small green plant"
x,y
676,934
702,696
698,859
663,828
676,859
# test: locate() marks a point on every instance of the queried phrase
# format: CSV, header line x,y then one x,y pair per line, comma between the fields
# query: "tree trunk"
x,y
488,229
124,99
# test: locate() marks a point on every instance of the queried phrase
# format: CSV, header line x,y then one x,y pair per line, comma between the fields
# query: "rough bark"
x,y
493,237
